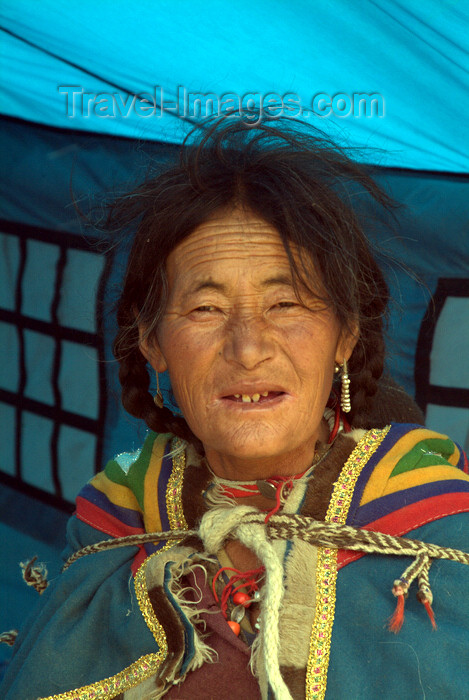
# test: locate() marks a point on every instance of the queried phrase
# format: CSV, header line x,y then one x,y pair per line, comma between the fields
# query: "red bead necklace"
x,y
249,580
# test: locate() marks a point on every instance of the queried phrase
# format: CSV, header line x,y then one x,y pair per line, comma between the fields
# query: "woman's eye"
x,y
204,309
286,304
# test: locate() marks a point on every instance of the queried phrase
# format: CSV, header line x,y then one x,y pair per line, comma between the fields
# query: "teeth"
x,y
246,398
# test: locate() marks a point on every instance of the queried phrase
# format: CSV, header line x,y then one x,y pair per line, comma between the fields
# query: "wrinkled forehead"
x,y
236,238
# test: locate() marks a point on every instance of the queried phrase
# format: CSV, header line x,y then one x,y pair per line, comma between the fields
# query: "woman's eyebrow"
x,y
278,280
221,287
200,285
206,284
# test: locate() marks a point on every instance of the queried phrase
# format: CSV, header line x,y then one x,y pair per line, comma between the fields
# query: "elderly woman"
x,y
245,559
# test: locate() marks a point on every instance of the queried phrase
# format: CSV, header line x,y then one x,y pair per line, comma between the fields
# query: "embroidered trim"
x,y
147,665
326,575
176,517
146,607
110,687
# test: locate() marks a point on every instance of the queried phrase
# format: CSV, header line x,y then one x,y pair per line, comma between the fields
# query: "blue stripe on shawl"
x,y
128,516
165,473
395,501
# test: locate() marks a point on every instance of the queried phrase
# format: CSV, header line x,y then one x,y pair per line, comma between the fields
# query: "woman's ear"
x,y
347,340
151,350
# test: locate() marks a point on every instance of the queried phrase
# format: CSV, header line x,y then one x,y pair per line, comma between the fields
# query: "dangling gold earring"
x,y
158,397
345,403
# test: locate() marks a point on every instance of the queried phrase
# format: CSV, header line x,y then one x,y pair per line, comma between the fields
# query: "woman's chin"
x,y
252,441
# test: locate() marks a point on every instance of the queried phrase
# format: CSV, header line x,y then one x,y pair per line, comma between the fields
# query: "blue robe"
x,y
94,633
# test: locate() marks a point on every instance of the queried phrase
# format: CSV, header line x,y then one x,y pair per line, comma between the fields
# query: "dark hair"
x,y
295,179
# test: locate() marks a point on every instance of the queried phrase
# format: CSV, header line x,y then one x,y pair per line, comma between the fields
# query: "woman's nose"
x,y
248,341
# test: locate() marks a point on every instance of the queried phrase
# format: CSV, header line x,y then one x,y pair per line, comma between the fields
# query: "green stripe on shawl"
x,y
135,477
426,453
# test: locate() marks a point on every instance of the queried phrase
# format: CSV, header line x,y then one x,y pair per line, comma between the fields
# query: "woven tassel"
x,y
425,596
35,576
9,637
399,590
430,612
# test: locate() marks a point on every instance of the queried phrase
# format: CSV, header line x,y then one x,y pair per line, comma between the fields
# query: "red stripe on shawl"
x,y
409,518
138,559
92,515
108,524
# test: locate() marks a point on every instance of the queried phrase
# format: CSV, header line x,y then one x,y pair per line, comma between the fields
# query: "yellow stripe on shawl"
x,y
119,495
380,483
151,508
424,475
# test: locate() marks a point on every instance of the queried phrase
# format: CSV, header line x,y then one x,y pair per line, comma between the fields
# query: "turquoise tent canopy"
x,y
412,55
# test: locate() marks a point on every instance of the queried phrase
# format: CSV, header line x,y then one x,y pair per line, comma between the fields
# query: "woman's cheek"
x,y
179,337
188,354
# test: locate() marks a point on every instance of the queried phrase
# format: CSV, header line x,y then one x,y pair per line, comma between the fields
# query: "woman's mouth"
x,y
257,397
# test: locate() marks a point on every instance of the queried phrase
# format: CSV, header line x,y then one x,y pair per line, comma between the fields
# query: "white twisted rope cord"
x,y
255,539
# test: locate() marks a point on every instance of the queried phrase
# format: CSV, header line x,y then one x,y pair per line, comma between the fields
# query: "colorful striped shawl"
x,y
414,477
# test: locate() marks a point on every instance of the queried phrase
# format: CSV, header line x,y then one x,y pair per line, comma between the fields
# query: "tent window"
x,y
50,297
441,369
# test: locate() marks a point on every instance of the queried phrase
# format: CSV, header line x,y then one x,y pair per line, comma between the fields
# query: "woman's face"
x,y
250,364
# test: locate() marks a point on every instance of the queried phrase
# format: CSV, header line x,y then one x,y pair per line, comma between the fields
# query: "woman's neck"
x,y
233,468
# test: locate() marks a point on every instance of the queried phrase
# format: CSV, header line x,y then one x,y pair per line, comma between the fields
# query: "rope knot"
x,y
400,587
424,594
219,524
